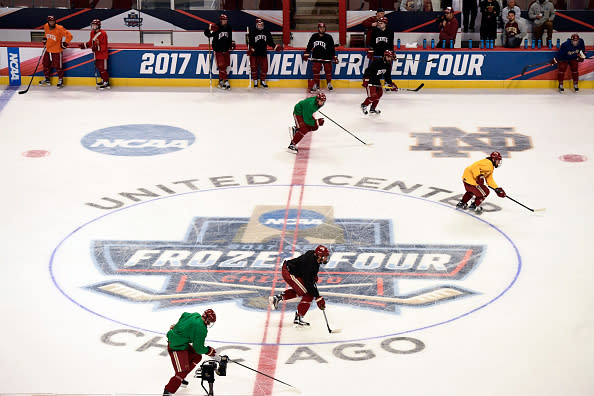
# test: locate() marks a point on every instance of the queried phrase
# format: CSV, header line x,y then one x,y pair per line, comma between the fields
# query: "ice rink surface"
x,y
106,243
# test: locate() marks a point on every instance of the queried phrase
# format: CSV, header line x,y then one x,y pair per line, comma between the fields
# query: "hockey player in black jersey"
x,y
222,43
380,68
320,49
382,39
259,39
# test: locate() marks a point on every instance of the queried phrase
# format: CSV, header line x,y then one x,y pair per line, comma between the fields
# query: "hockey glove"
x,y
335,60
391,87
554,61
278,48
321,303
233,45
365,82
213,28
82,46
211,351
305,56
64,44
320,121
500,192
44,41
370,54
250,51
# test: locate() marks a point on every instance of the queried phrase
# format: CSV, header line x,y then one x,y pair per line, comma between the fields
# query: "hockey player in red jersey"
x,y
379,69
477,179
301,274
321,49
98,43
185,344
304,120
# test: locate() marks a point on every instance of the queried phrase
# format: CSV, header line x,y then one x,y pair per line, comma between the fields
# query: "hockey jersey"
x,y
54,38
221,37
260,40
377,70
98,42
190,328
482,167
568,52
321,46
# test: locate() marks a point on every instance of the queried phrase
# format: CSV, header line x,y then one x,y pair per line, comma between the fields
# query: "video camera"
x,y
208,369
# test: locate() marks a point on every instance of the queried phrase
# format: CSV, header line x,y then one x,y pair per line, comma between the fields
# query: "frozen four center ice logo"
x,y
237,258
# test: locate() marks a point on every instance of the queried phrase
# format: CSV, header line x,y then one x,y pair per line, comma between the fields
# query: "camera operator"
x,y
448,28
185,344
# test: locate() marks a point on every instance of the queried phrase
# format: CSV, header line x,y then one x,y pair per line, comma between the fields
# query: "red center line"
x,y
269,353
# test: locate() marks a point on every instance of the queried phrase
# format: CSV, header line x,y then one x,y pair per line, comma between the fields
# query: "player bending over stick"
x,y
474,178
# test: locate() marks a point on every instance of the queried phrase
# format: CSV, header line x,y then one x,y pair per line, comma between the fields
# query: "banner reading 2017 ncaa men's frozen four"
x,y
443,65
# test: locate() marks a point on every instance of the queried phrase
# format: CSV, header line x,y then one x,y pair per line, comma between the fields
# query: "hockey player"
x,y
55,40
382,39
98,43
477,178
222,43
321,48
259,40
379,69
301,274
304,119
185,344
570,53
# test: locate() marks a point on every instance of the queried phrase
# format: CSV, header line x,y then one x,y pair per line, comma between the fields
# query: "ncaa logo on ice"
x,y
138,140
226,258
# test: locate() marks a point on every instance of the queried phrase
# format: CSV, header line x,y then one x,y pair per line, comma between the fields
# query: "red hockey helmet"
x,y
389,54
321,96
209,317
322,252
321,25
575,36
224,17
51,18
96,22
495,158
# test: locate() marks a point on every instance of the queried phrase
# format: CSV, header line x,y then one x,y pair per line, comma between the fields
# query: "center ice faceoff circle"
x,y
398,263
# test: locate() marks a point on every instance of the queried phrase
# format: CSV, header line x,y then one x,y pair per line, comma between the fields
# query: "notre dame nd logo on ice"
x,y
237,258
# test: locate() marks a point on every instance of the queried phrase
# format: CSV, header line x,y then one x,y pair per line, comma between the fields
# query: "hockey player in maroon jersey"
x,y
321,49
301,274
222,43
304,120
259,40
382,39
185,344
379,69
477,179
98,43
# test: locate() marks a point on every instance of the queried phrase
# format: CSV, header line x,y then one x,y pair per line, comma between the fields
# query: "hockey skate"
x,y
255,83
462,205
104,85
263,83
330,87
274,301
166,392
46,81
373,110
221,85
299,320
561,89
576,88
364,109
314,88
60,83
227,85
184,383
476,209
292,149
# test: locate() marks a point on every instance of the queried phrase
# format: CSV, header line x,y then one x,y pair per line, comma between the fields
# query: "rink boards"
x,y
182,66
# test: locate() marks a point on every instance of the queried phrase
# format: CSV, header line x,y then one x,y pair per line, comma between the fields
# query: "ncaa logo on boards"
x,y
138,140
431,279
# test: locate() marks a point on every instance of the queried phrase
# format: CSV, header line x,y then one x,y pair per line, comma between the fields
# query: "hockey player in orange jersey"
x,y
55,40
477,179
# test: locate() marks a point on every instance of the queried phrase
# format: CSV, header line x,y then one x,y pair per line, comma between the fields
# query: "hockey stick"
x,y
330,60
417,89
247,39
535,65
209,65
261,373
34,71
521,204
136,294
340,126
268,288
327,325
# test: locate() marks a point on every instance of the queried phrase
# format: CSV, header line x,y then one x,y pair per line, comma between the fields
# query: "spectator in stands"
x,y
448,28
542,13
382,39
385,4
55,40
511,5
370,23
490,10
222,43
411,5
469,11
512,31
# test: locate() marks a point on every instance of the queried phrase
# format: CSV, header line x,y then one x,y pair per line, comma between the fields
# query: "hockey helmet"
x,y
322,251
96,22
575,37
321,96
224,17
259,21
209,317
495,158
321,25
51,18
389,54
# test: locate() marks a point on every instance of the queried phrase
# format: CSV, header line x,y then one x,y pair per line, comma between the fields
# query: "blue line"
x,y
6,95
